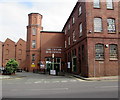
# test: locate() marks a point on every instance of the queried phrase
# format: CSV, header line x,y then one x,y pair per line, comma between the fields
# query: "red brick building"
x,y
20,53
42,44
12,50
8,51
91,39
88,45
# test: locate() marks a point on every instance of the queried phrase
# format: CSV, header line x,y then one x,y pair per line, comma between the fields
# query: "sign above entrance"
x,y
32,65
53,50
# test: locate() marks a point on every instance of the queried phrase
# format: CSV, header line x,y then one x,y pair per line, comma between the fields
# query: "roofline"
x,y
50,32
9,39
70,15
20,39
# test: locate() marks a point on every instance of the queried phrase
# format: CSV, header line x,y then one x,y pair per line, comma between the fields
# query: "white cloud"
x,y
14,16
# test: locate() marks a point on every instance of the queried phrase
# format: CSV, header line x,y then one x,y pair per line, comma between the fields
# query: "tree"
x,y
11,66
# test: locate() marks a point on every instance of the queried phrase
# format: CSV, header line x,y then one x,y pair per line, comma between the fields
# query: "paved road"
x,y
46,86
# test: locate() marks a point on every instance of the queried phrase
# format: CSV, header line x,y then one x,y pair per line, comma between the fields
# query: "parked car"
x,y
1,69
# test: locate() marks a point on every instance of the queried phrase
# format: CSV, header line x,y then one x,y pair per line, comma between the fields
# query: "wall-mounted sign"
x,y
54,50
48,62
68,64
42,66
32,65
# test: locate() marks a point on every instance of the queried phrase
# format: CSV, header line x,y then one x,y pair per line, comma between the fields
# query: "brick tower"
x,y
33,41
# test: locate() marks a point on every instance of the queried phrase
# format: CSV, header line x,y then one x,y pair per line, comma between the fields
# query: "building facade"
x,y
8,51
91,39
41,45
11,50
20,53
88,44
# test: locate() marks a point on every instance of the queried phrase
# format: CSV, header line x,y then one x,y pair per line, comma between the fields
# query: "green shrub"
x,y
11,66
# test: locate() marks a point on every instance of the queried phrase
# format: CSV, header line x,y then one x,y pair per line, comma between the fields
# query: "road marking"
x,y
38,82
50,89
73,80
63,81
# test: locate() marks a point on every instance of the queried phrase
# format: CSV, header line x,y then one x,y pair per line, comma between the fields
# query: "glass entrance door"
x,y
57,64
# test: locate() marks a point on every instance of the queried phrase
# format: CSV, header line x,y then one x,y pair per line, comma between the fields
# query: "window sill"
x,y
113,59
96,7
99,59
110,8
98,32
111,32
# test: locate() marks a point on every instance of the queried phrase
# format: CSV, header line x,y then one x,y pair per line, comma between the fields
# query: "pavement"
x,y
20,75
97,78
17,75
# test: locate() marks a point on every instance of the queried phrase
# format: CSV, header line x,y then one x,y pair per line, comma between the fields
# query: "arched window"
x,y
109,4
97,24
96,3
33,57
99,51
74,36
33,44
80,30
113,51
34,31
111,24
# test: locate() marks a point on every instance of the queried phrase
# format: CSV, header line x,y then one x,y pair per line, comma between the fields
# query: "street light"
x,y
53,55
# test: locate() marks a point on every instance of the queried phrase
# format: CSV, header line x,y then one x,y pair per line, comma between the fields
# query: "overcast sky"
x,y
14,16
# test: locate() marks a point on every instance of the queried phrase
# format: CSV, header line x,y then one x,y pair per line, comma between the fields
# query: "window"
x,y
109,4
74,37
80,10
97,24
99,51
34,31
80,28
113,51
33,44
96,3
69,27
73,52
65,44
69,40
33,57
111,25
73,20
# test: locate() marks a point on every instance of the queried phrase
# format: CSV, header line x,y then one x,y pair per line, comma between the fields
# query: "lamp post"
x,y
53,55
